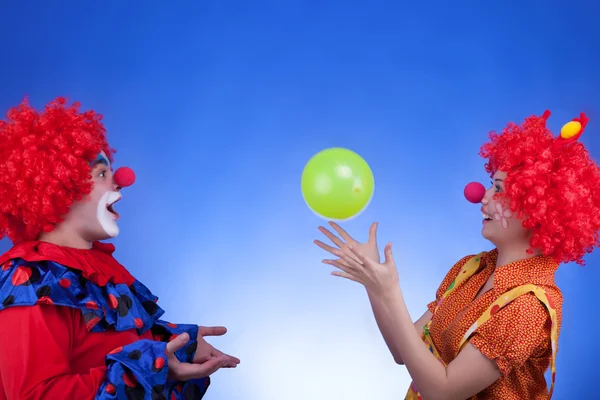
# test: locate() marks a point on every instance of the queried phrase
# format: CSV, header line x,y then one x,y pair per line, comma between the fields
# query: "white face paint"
x,y
107,217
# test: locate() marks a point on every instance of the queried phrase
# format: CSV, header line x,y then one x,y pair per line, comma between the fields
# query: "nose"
x,y
124,177
474,192
488,194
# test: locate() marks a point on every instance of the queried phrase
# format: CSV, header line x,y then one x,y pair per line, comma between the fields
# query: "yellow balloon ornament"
x,y
571,131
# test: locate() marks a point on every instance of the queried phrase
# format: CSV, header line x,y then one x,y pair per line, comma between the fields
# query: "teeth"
x,y
485,216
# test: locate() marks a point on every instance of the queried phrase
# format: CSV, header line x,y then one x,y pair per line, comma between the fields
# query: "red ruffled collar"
x,y
97,264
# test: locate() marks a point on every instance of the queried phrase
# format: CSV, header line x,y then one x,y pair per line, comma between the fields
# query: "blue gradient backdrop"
x,y
218,105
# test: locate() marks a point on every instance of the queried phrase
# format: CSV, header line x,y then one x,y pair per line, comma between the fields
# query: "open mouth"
x,y
110,208
486,217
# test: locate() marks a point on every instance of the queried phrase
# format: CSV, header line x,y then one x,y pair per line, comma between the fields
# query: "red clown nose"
x,y
124,177
474,192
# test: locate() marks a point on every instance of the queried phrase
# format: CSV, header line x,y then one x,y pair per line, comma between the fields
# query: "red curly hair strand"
x,y
555,189
45,165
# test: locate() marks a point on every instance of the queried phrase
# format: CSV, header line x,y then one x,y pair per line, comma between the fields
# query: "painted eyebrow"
x,y
100,160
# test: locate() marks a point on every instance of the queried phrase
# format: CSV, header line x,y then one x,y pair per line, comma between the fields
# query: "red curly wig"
x,y
45,165
554,188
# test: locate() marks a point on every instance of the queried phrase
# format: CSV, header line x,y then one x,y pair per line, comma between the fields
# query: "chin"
x,y
111,232
486,235
105,232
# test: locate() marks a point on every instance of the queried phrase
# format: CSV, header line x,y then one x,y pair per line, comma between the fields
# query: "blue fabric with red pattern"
x,y
137,371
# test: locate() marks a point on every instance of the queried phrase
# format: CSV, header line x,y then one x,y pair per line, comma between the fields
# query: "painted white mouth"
x,y
486,217
106,214
112,199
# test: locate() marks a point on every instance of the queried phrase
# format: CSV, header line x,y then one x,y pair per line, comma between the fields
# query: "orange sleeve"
x,y
35,346
450,276
516,333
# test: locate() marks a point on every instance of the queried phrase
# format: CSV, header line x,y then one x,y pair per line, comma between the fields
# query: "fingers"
x,y
389,258
332,250
345,275
177,343
373,232
231,359
232,362
342,232
338,264
212,330
351,259
363,260
356,253
331,237
187,371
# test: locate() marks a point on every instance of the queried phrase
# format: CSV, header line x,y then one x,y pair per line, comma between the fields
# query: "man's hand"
x,y
186,371
206,353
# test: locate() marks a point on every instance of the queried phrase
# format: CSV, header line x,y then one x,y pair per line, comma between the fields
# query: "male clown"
x,y
74,323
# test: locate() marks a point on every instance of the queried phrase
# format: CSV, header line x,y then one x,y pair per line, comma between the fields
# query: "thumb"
x,y
373,232
389,258
177,343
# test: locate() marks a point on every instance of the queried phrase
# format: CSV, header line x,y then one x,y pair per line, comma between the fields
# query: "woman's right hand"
x,y
185,371
369,248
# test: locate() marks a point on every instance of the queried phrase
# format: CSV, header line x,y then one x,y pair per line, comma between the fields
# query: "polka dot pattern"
x,y
112,307
128,375
515,333
135,371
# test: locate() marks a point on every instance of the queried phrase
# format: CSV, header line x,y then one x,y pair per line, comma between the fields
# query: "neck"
x,y
515,252
65,238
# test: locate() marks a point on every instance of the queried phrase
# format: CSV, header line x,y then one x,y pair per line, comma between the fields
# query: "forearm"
x,y
385,328
426,371
387,335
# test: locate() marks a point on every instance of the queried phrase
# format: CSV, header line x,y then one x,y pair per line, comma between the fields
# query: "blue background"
x,y
218,105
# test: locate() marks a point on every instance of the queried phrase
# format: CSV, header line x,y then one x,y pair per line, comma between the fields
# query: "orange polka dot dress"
x,y
517,337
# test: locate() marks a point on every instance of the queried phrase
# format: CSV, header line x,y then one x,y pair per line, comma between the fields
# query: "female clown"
x,y
492,329
74,323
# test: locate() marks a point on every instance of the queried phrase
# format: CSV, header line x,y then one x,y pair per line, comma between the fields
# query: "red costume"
x,y
74,323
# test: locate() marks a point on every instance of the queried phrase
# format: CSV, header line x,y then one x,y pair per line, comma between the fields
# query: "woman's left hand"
x,y
377,278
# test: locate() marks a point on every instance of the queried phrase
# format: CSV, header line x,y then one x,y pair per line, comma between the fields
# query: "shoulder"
x,y
523,323
31,282
455,270
448,279
115,306
525,309
515,333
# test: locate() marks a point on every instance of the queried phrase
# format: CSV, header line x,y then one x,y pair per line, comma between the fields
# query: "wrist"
x,y
390,293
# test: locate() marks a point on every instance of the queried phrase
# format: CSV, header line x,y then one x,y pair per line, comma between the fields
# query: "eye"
x,y
102,173
498,188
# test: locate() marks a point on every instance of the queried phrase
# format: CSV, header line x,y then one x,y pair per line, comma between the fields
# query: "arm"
x,y
164,331
384,328
424,319
35,344
419,325
467,375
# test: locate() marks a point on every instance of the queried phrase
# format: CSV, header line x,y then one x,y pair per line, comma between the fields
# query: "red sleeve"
x,y
450,276
35,346
515,334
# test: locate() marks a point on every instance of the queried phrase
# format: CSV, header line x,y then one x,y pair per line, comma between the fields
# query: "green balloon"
x,y
337,184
